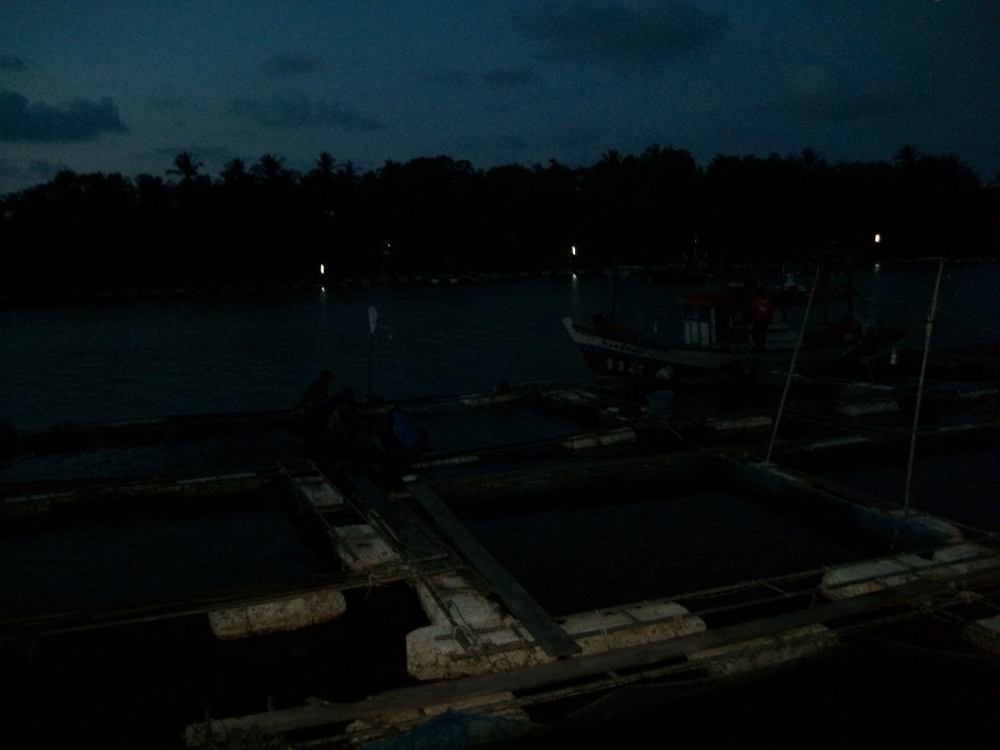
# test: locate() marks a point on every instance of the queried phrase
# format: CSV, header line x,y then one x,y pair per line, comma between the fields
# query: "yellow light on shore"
x,y
572,249
322,269
878,238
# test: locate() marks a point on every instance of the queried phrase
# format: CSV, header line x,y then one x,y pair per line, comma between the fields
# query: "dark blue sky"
x,y
124,86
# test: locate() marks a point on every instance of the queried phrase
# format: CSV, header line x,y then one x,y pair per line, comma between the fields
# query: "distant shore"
x,y
58,295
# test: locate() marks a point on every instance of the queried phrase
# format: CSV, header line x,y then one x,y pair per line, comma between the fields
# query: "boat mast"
x,y
614,288
791,367
920,386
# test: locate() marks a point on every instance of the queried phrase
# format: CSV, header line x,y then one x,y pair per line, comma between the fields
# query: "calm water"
x,y
142,359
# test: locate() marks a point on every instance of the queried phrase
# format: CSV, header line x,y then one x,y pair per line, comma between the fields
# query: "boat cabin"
x,y
723,320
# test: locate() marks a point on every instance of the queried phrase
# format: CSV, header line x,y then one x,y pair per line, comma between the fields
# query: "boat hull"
x,y
614,354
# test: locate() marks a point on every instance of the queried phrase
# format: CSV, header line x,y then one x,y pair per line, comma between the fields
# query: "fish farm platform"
x,y
554,557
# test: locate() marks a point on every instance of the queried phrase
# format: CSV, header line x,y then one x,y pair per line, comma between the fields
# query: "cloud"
x,y
43,168
11,63
608,32
508,78
36,170
297,111
166,103
570,138
78,120
283,66
450,77
823,92
216,154
498,79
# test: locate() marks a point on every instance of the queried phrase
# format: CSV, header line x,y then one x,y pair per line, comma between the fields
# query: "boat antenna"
x,y
791,366
929,326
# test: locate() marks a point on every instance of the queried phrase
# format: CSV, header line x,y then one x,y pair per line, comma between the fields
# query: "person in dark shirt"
x,y
318,391
402,439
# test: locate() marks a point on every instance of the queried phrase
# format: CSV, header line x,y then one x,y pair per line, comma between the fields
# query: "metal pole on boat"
x,y
614,288
791,366
929,327
372,325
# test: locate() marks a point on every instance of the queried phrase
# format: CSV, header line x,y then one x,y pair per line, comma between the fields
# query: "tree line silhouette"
x,y
265,222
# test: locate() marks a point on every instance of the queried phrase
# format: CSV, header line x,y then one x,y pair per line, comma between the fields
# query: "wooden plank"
x,y
400,522
546,632
525,678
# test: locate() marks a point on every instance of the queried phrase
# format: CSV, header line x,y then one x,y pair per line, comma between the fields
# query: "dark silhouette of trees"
x,y
185,166
264,222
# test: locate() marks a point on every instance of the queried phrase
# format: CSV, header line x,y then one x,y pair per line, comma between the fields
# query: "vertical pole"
x,y
929,327
791,367
614,288
372,327
371,349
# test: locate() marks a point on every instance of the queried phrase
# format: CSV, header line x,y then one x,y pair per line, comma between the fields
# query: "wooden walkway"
x,y
845,615
546,632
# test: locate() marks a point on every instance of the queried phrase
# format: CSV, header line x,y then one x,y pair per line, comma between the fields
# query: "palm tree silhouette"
x,y
185,166
270,168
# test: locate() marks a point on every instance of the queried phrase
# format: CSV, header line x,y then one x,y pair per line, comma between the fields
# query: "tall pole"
x,y
928,328
614,287
791,367
372,327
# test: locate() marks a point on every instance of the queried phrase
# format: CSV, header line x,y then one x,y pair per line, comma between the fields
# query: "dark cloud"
x,y
43,168
498,79
821,92
283,66
295,111
570,138
608,32
37,170
165,103
214,154
508,78
574,143
843,106
451,77
79,120
507,144
11,63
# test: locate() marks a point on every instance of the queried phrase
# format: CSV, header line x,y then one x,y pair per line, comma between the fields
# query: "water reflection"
x,y
132,360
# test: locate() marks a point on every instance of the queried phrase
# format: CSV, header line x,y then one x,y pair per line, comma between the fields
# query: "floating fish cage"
x,y
487,593
551,586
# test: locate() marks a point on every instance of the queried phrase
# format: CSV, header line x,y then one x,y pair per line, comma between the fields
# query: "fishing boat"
x,y
738,330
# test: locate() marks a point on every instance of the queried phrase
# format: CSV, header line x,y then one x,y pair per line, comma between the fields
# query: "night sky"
x,y
125,86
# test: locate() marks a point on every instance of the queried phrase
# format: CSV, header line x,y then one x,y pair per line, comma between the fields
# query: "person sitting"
x,y
344,417
318,391
402,439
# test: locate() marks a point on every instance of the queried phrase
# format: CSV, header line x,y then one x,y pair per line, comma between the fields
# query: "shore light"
x,y
322,269
572,249
878,238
